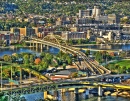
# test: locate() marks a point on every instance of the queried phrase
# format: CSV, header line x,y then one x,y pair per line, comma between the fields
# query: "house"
x,y
64,74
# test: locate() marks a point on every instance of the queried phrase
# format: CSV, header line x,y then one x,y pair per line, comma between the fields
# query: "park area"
x,y
121,66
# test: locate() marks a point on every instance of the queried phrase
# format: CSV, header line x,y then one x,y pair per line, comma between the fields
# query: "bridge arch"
x,y
55,39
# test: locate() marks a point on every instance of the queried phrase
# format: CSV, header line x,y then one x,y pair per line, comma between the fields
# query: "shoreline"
x,y
14,47
100,44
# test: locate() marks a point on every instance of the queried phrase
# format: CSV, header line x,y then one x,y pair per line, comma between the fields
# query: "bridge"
x,y
56,41
62,87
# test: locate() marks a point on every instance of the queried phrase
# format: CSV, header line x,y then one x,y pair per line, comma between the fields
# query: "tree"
x,y
13,58
87,52
79,41
49,57
31,59
98,56
69,60
37,61
60,54
45,65
74,75
7,58
124,69
71,42
117,68
42,55
26,59
64,66
112,54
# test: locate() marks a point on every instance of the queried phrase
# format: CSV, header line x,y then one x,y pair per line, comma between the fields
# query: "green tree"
x,y
87,52
31,59
69,60
13,58
26,59
71,42
74,75
45,65
42,54
79,41
64,66
98,57
7,58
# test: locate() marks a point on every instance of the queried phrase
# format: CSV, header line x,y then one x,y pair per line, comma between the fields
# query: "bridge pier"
x,y
30,43
100,92
60,95
36,45
41,47
47,47
33,44
44,95
55,94
76,94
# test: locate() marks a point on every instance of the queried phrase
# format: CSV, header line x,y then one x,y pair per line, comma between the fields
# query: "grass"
x,y
18,45
123,63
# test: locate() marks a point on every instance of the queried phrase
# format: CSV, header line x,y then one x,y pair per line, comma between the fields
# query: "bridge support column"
x,y
33,44
41,47
87,93
30,44
100,92
76,94
58,95
44,45
36,45
44,95
47,47
55,94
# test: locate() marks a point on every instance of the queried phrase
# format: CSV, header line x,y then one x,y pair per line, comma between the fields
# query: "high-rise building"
x,y
113,18
85,13
96,11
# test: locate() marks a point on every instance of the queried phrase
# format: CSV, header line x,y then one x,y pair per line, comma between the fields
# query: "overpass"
x,y
57,42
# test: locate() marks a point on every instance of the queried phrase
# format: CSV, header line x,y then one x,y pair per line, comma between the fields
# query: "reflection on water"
x,y
107,98
107,46
70,96
27,50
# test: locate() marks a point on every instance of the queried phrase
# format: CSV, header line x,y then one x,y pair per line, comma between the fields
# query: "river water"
x,y
70,96
124,47
10,51
52,50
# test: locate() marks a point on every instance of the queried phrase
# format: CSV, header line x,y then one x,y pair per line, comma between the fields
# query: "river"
x,y
124,47
10,51
52,50
70,96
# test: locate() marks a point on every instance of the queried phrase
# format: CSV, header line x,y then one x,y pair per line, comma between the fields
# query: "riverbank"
x,y
14,47
101,44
